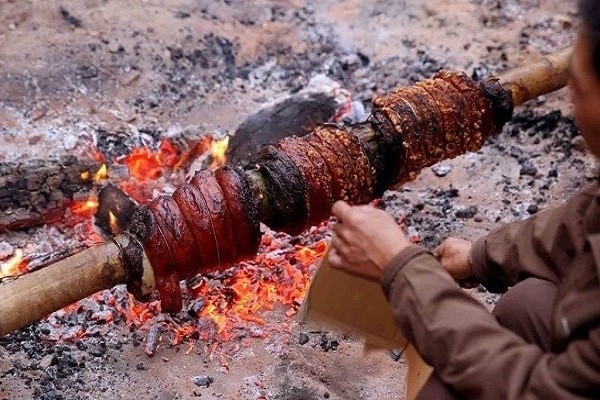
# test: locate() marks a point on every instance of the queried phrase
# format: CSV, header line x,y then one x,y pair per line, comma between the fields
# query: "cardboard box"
x,y
344,301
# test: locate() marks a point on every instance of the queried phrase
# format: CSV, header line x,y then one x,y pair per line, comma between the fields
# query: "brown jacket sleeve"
x,y
470,350
540,247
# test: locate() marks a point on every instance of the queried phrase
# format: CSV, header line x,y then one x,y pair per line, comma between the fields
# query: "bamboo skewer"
x,y
530,81
31,297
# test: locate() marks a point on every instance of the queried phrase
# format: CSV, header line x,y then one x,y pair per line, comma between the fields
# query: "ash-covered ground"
x,y
97,73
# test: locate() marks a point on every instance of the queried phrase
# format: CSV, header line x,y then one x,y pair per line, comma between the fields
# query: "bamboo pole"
x,y
532,80
31,297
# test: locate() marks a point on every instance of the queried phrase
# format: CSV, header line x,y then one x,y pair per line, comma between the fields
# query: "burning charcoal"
x,y
303,338
202,381
196,307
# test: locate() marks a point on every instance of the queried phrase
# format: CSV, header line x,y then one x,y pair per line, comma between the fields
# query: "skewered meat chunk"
x,y
388,157
314,171
363,174
183,246
162,261
195,211
244,209
214,221
328,142
479,114
220,215
447,104
286,189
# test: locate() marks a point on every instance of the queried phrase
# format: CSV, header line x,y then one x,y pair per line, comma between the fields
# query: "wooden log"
x,y
40,191
31,297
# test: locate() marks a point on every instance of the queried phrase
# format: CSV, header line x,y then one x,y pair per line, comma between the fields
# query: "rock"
x,y
579,144
88,71
441,170
466,212
34,139
46,361
303,338
202,381
96,350
529,170
69,142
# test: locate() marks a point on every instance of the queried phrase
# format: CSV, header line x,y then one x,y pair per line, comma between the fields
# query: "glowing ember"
x,y
218,149
85,208
271,278
145,164
14,266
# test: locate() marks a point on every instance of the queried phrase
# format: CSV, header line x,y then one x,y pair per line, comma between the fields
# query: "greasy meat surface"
x,y
220,215
314,171
243,207
195,211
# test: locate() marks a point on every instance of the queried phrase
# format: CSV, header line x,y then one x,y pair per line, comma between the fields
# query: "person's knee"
x,y
526,309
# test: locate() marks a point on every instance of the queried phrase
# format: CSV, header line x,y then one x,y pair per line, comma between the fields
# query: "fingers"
x,y
343,231
341,210
349,253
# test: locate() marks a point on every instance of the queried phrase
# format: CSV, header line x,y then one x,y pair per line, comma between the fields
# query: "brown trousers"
x,y
525,309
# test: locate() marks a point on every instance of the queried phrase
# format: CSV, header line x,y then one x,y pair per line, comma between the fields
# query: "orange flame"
x,y
13,266
86,207
102,173
218,149
113,222
99,175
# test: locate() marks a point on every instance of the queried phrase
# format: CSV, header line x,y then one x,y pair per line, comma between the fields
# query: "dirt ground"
x,y
102,68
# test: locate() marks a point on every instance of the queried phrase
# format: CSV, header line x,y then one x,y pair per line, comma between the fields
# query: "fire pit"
x,y
237,336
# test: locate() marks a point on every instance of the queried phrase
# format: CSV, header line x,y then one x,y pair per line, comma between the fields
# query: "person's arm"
x,y
540,246
469,349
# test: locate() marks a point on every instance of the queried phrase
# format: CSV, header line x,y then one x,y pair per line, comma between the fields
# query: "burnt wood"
x,y
39,191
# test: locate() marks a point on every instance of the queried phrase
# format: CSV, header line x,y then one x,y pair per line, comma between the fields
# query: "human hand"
x,y
365,240
453,254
